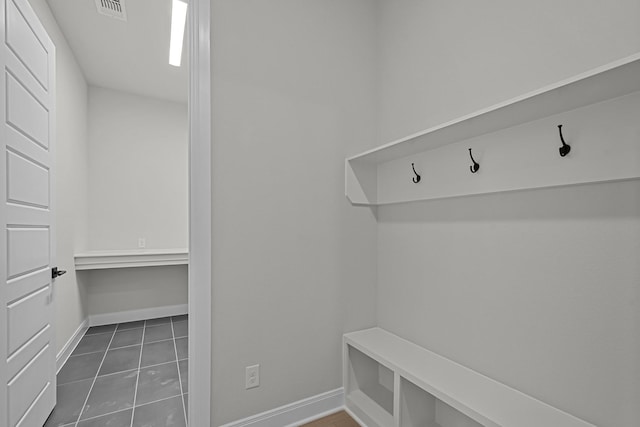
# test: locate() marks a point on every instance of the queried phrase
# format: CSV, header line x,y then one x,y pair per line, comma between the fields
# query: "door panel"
x,y
28,250
30,381
25,318
24,285
39,409
28,182
25,44
19,143
21,358
27,79
25,113
17,214
27,144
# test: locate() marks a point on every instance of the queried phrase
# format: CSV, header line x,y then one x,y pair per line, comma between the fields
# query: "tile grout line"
x,y
84,405
135,393
74,354
133,345
153,342
131,370
175,349
124,410
159,400
127,330
104,415
155,365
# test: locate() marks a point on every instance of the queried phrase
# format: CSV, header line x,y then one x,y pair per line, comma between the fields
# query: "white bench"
x,y
391,382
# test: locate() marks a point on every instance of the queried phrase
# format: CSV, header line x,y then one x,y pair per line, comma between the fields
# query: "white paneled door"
x,y
27,349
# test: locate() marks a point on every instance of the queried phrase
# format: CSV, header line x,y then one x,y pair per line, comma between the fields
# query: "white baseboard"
x,y
133,315
297,413
65,352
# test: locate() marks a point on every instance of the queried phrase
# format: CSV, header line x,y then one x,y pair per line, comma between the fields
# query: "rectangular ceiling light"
x,y
178,21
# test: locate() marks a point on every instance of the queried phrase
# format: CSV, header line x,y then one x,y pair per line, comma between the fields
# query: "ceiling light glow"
x,y
178,21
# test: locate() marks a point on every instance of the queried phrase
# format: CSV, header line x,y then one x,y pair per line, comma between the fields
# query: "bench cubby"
x,y
392,382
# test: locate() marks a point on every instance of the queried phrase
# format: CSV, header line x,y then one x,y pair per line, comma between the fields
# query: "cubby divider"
x,y
418,408
370,389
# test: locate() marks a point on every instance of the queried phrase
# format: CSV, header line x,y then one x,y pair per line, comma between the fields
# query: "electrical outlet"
x,y
252,376
142,242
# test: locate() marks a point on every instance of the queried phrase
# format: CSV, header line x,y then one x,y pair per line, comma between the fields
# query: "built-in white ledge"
x,y
430,390
97,260
515,142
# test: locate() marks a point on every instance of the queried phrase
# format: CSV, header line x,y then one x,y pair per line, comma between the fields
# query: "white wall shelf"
x,y
98,260
516,143
430,390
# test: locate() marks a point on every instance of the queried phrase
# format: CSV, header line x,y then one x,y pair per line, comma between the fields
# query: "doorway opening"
x,y
129,187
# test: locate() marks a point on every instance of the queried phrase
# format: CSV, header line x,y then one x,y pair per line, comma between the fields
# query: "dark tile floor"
x,y
126,375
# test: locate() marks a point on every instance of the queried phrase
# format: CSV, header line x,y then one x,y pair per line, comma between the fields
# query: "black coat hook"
x,y
416,179
476,166
564,150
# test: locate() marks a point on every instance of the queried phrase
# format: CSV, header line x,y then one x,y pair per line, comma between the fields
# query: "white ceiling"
x,y
131,56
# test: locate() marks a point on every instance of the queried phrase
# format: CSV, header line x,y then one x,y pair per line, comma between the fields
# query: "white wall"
x,y
129,289
138,171
293,263
71,179
537,289
439,60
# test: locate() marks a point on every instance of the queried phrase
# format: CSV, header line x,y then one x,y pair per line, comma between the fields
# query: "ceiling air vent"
x,y
112,8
